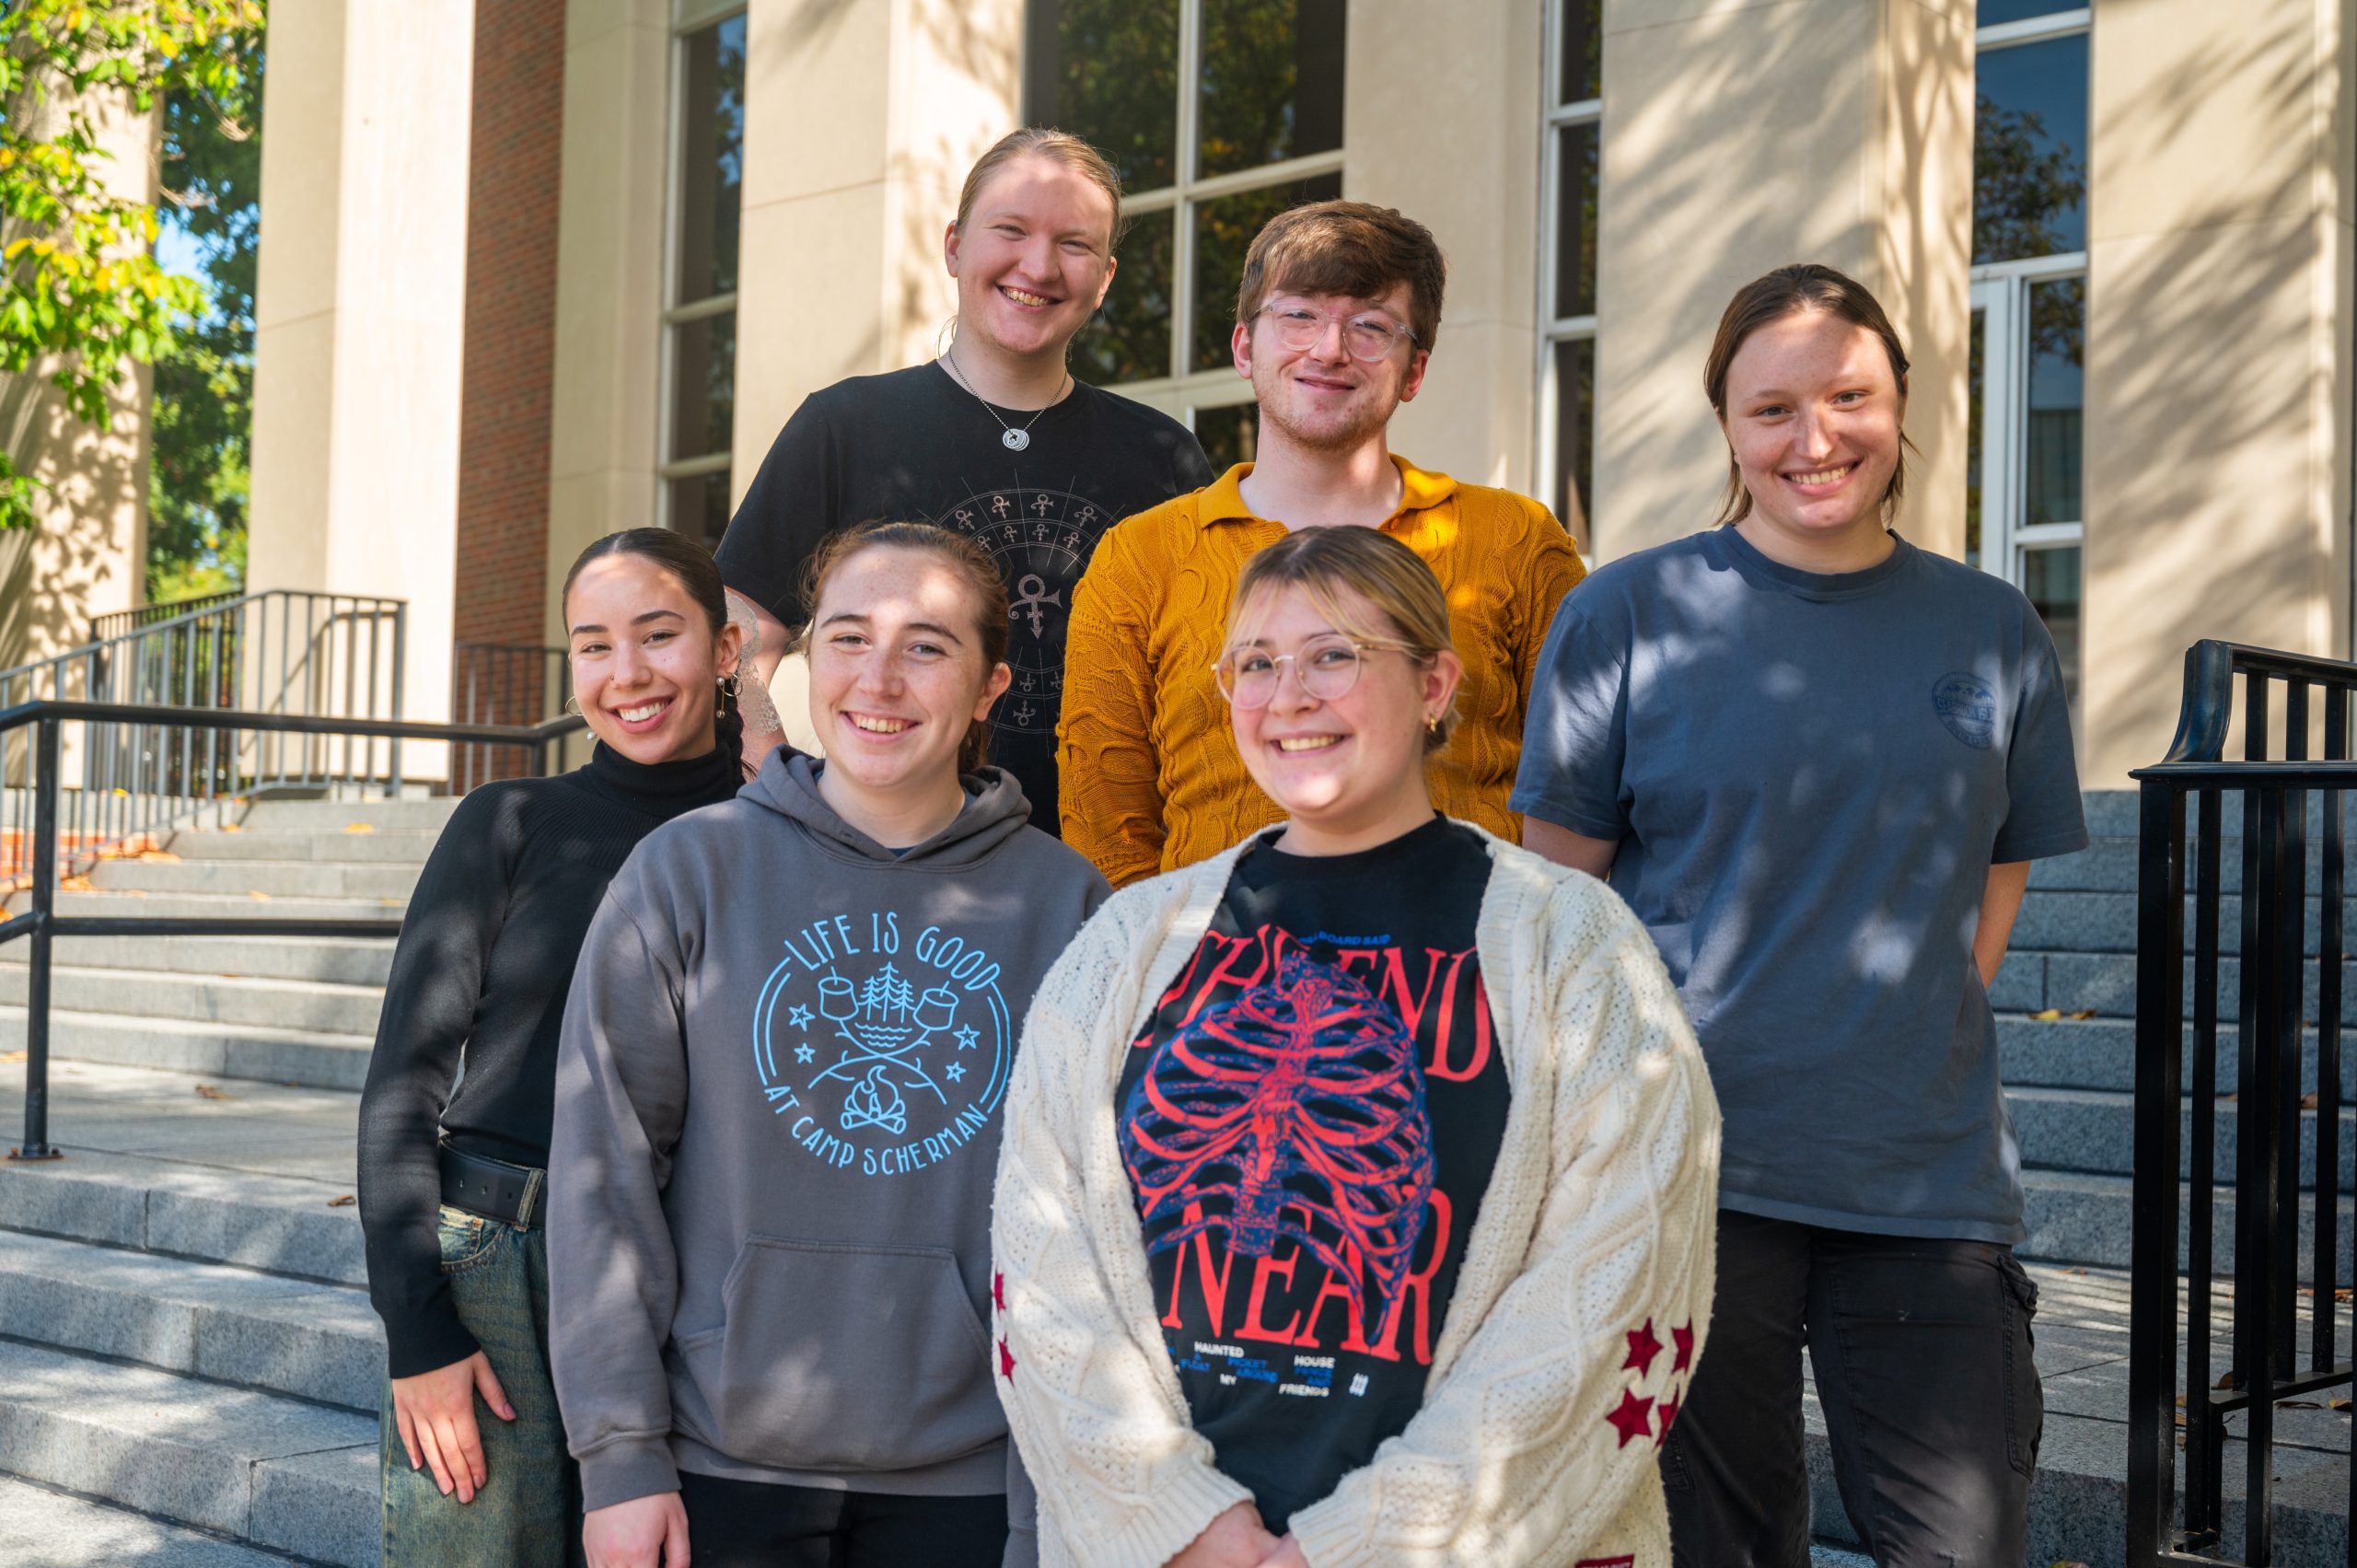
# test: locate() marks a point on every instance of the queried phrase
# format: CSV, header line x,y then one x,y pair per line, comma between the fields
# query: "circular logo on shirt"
x,y
1041,540
1968,705
878,1051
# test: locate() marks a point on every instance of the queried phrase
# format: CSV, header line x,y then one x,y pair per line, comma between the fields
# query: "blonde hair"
x,y
962,555
1057,146
1324,562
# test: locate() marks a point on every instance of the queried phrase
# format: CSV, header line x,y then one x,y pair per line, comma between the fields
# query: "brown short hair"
x,y
1372,565
954,550
1787,291
1348,248
1057,146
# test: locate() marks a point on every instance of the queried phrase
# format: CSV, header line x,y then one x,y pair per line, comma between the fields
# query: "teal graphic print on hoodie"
x,y
778,1113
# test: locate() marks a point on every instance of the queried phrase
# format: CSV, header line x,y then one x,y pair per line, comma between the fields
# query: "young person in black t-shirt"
x,y
996,439
452,1190
1393,1240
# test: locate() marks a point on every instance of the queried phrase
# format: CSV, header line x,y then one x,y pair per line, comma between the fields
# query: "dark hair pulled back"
x,y
692,564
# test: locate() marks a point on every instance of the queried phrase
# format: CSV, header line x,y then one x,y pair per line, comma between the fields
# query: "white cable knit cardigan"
x,y
1578,1313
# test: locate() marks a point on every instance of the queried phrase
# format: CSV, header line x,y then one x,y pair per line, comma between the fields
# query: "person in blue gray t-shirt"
x,y
1816,761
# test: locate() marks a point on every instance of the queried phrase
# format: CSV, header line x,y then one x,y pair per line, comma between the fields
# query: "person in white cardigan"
x,y
1357,1194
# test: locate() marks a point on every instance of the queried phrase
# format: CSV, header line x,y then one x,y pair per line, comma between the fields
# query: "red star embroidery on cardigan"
x,y
1643,1348
1007,1360
1685,1341
998,1290
1668,1413
1634,1418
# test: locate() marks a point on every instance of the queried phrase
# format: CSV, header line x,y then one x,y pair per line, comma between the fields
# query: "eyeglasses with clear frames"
x,y
1368,336
1327,667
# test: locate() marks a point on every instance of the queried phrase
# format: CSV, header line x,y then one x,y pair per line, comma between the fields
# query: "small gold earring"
x,y
1431,725
572,705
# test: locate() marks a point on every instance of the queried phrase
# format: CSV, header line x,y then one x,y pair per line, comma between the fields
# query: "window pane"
x,y
2050,579
1129,338
1583,51
704,385
1576,220
1991,12
1223,229
1575,465
1272,82
1977,384
712,147
700,508
2058,318
2029,152
1107,71
1230,435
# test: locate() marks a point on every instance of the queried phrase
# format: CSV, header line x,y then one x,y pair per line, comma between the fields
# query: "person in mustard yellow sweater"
x,y
1335,323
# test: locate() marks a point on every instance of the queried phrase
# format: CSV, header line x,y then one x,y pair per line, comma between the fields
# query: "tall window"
x,y
1219,114
1575,56
2023,520
700,289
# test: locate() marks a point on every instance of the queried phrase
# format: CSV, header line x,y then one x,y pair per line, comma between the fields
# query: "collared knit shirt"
x,y
1575,1324
1150,774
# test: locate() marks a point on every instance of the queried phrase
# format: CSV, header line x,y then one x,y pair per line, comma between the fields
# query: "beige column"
x,y
1443,120
611,235
2219,326
1739,135
360,316
87,553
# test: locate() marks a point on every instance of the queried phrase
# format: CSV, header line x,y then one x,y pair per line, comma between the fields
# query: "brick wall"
x,y
511,317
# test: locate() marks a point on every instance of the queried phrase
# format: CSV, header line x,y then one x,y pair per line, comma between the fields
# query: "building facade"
x,y
537,270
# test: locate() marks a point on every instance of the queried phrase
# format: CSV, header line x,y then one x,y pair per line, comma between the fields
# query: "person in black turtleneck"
x,y
455,1119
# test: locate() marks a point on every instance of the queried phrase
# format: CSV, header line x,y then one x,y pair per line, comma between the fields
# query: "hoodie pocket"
x,y
845,1356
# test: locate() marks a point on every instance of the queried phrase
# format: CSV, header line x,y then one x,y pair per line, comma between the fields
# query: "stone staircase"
x,y
187,1357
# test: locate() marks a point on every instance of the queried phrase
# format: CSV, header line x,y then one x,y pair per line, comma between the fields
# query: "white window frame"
x,y
688,16
2001,293
1185,392
1555,330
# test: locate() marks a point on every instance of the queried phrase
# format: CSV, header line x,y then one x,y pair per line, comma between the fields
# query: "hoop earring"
x,y
572,705
727,684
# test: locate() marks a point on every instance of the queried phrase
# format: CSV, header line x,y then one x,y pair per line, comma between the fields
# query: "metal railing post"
x,y
400,664
2152,1321
36,1146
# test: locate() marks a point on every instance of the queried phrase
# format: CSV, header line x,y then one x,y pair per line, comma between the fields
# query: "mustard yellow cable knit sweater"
x,y
1147,770
1577,1320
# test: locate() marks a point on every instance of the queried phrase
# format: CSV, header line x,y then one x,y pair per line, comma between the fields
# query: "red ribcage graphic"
x,y
1298,1102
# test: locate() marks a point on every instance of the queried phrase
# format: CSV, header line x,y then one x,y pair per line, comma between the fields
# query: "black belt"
x,y
511,1194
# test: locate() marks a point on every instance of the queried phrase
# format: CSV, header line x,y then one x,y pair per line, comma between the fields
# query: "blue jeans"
x,y
529,1512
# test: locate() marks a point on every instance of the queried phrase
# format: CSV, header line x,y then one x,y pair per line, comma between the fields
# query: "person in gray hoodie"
x,y
778,1113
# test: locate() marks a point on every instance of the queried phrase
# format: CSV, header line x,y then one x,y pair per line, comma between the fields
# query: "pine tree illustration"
x,y
886,994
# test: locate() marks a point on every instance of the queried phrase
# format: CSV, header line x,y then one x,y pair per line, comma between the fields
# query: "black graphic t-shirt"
x,y
1310,1122
914,446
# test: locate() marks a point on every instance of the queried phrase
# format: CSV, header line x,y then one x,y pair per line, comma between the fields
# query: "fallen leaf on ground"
x,y
2225,1380
2340,1404
2084,1014
2059,1563
74,885
2307,1102
2047,1016
339,1202
230,828
158,857
2075,1270
360,827
258,893
12,1056
213,1091
2180,1402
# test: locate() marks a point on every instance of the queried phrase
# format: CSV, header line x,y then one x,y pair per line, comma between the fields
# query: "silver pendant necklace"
x,y
1013,437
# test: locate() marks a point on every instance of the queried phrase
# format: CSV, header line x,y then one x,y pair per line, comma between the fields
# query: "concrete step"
x,y
284,1475
300,1004
278,878
2106,923
312,1340
401,847
2116,813
279,1225
2109,866
2032,979
424,816
2100,1053
137,905
2085,1219
48,1529
332,961
2092,1129
309,1058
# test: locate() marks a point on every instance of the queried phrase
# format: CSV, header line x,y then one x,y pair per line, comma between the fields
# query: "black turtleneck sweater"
x,y
480,977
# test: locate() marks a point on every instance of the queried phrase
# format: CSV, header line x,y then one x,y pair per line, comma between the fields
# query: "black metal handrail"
x,y
42,925
115,623
2175,1056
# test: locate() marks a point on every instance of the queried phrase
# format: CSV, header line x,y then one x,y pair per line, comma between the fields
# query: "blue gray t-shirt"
x,y
1810,775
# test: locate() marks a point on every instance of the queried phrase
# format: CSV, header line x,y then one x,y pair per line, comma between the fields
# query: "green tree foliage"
x,y
2025,186
204,397
79,278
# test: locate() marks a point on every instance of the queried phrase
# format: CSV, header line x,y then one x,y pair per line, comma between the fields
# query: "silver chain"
x,y
1013,437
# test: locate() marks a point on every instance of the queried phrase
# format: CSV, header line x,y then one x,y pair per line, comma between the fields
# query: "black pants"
x,y
1921,1351
747,1522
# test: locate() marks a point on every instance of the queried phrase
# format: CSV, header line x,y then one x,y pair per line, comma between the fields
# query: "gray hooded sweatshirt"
x,y
778,1106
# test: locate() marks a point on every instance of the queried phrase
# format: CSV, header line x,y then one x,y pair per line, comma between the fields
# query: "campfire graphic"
x,y
885,1025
